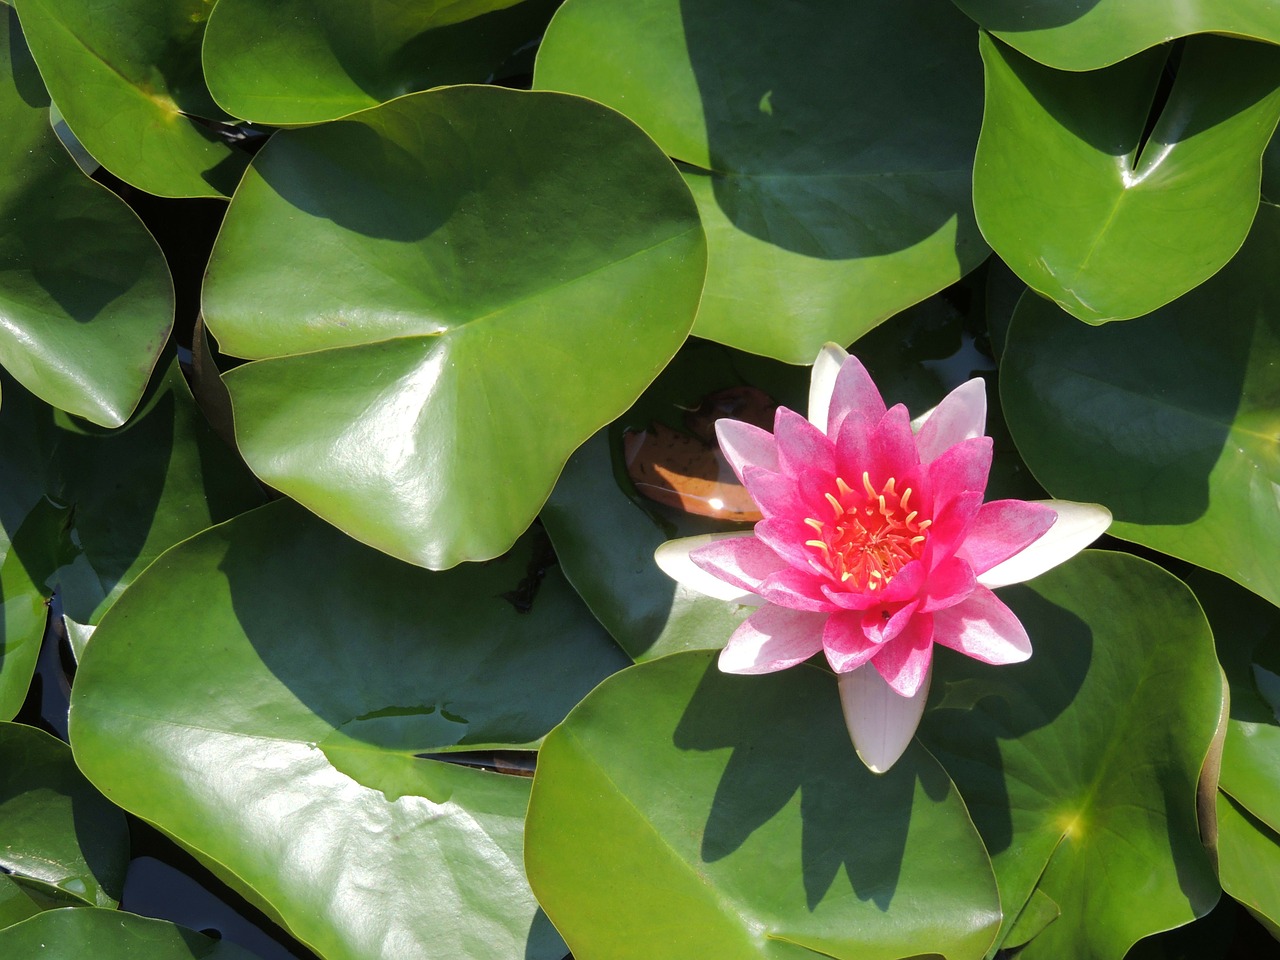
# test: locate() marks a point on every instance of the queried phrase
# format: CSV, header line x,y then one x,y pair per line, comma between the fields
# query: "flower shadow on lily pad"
x,y
787,737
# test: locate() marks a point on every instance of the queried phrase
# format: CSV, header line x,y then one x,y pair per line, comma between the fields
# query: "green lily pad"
x,y
17,903
1170,420
833,178
126,76
1088,34
83,510
1092,215
681,812
60,836
110,935
1249,862
86,299
1080,765
436,292
265,694
304,61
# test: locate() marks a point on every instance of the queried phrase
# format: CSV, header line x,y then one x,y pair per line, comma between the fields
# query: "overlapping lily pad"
x,y
1088,34
280,733
86,302
1092,211
110,935
126,75
1169,420
60,838
1249,862
84,510
1080,766
446,295
303,61
829,146
685,813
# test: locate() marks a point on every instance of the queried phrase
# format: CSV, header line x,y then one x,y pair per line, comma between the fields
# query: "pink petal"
x,y
904,660
881,723
672,558
882,624
786,535
950,583
846,645
950,527
893,447
741,561
905,585
983,628
822,383
854,392
1077,526
962,468
775,494
1003,528
744,444
797,589
773,638
962,415
803,450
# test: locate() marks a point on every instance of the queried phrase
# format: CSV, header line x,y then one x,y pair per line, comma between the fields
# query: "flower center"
x,y
872,536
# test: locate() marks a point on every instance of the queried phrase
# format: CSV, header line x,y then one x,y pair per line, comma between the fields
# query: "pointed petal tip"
x,y
881,723
1077,526
673,559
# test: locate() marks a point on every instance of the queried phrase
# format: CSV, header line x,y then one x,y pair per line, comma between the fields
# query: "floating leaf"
x,y
1088,34
126,76
303,61
1090,211
1249,862
86,303
83,510
1172,420
280,733
1080,765
446,295
829,147
60,836
681,812
110,935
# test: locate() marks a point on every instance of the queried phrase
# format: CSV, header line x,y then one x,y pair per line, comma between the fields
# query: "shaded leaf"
x,y
110,935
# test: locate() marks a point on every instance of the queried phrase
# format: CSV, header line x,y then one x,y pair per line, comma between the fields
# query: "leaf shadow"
x,y
850,818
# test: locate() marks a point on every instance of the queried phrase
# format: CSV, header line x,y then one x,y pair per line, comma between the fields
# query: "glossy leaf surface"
x,y
86,302
58,835
1089,210
686,813
829,147
304,61
1088,34
1168,420
1249,861
280,734
83,510
110,935
434,290
126,76
1080,765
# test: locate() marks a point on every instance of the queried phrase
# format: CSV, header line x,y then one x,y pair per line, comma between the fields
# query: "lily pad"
x,y
1169,420
681,812
1088,34
83,510
304,61
61,838
829,147
445,295
126,76
1249,862
86,302
1080,765
110,935
265,694
1094,213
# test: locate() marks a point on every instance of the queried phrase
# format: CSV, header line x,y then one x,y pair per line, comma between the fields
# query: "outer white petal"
x,y
962,415
673,559
823,381
881,723
1077,526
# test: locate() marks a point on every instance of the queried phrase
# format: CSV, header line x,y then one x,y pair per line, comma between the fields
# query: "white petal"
x,y
673,559
881,723
962,415
1077,526
823,381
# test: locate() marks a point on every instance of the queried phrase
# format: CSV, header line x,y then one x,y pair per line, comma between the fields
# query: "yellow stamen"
x,y
866,484
835,504
843,487
818,545
906,495
816,524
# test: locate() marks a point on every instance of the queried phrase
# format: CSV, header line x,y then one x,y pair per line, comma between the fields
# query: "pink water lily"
x,y
875,544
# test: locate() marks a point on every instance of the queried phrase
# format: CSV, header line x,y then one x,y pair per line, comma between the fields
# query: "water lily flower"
x,y
875,544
